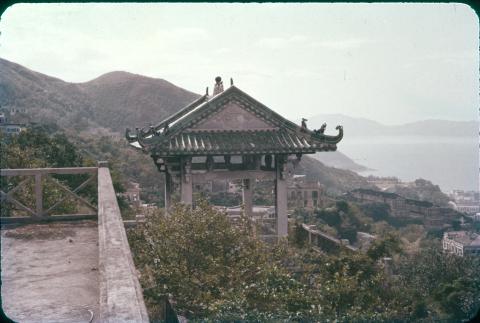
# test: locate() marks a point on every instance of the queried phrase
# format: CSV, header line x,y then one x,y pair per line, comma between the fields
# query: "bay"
x,y
450,162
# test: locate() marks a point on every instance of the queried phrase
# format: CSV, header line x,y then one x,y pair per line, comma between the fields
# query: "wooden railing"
x,y
40,176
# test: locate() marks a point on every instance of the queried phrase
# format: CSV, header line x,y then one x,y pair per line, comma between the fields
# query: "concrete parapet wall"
x,y
121,297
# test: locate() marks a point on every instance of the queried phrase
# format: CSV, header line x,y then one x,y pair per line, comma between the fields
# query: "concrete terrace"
x,y
69,268
50,272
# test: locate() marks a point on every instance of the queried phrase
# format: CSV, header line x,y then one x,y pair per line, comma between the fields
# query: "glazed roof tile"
x,y
177,134
238,142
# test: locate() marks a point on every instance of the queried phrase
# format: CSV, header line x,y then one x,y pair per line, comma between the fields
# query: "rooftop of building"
x,y
230,122
376,193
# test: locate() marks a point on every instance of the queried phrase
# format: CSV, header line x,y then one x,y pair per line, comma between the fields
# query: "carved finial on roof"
x,y
218,86
206,91
304,124
321,131
231,81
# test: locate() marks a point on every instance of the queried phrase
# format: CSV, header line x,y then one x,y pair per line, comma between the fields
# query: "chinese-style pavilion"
x,y
230,135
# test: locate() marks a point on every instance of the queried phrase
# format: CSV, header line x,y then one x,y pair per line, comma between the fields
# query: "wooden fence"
x,y
40,176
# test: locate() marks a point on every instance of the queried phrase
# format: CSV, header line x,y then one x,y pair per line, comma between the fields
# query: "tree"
x,y
44,146
213,268
386,247
448,284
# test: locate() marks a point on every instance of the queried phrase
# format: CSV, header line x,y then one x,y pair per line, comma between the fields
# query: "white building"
x,y
476,217
461,243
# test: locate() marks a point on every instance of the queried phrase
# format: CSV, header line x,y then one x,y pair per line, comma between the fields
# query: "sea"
x,y
450,162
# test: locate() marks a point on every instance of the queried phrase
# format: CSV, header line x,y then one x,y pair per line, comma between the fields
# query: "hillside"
x,y
124,100
114,100
43,98
338,159
336,180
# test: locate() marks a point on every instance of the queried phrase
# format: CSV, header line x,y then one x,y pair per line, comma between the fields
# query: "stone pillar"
x,y
168,190
248,185
186,181
281,197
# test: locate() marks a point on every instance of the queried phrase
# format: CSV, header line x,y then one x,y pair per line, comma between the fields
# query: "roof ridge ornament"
x,y
218,88
303,127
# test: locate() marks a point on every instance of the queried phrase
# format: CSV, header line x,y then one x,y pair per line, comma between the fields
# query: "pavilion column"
x,y
248,186
186,181
281,197
168,190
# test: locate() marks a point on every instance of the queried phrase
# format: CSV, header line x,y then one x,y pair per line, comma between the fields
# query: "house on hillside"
x,y
10,128
467,202
304,193
132,194
461,243
400,207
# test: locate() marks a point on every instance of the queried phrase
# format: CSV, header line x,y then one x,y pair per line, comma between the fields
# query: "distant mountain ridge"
x,y
114,100
361,127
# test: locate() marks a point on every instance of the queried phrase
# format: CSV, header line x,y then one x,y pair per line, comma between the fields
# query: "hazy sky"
x,y
393,63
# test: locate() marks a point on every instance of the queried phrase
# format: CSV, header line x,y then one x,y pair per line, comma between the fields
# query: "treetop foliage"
x,y
216,270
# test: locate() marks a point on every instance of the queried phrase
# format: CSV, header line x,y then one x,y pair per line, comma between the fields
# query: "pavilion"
x,y
230,135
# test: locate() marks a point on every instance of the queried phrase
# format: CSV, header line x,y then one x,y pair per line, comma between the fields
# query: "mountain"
x,y
124,99
41,97
338,159
114,100
336,180
361,127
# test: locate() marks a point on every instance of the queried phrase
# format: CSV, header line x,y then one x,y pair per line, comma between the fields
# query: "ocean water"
x,y
450,162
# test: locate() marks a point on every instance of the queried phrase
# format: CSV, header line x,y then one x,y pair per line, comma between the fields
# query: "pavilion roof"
x,y
183,133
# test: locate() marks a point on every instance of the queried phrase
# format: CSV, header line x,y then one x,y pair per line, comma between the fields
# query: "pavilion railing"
x,y
40,177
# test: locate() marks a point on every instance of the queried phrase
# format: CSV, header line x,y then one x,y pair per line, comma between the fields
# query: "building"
x,y
132,194
304,193
470,208
467,202
324,242
397,204
10,128
230,136
461,243
430,214
476,217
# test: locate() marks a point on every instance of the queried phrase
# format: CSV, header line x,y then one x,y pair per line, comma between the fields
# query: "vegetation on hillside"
x,y
46,146
422,190
216,270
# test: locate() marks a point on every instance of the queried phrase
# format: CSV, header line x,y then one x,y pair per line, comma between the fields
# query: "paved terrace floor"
x,y
50,272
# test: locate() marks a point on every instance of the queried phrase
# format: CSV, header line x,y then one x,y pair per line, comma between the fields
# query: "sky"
x,y
393,63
